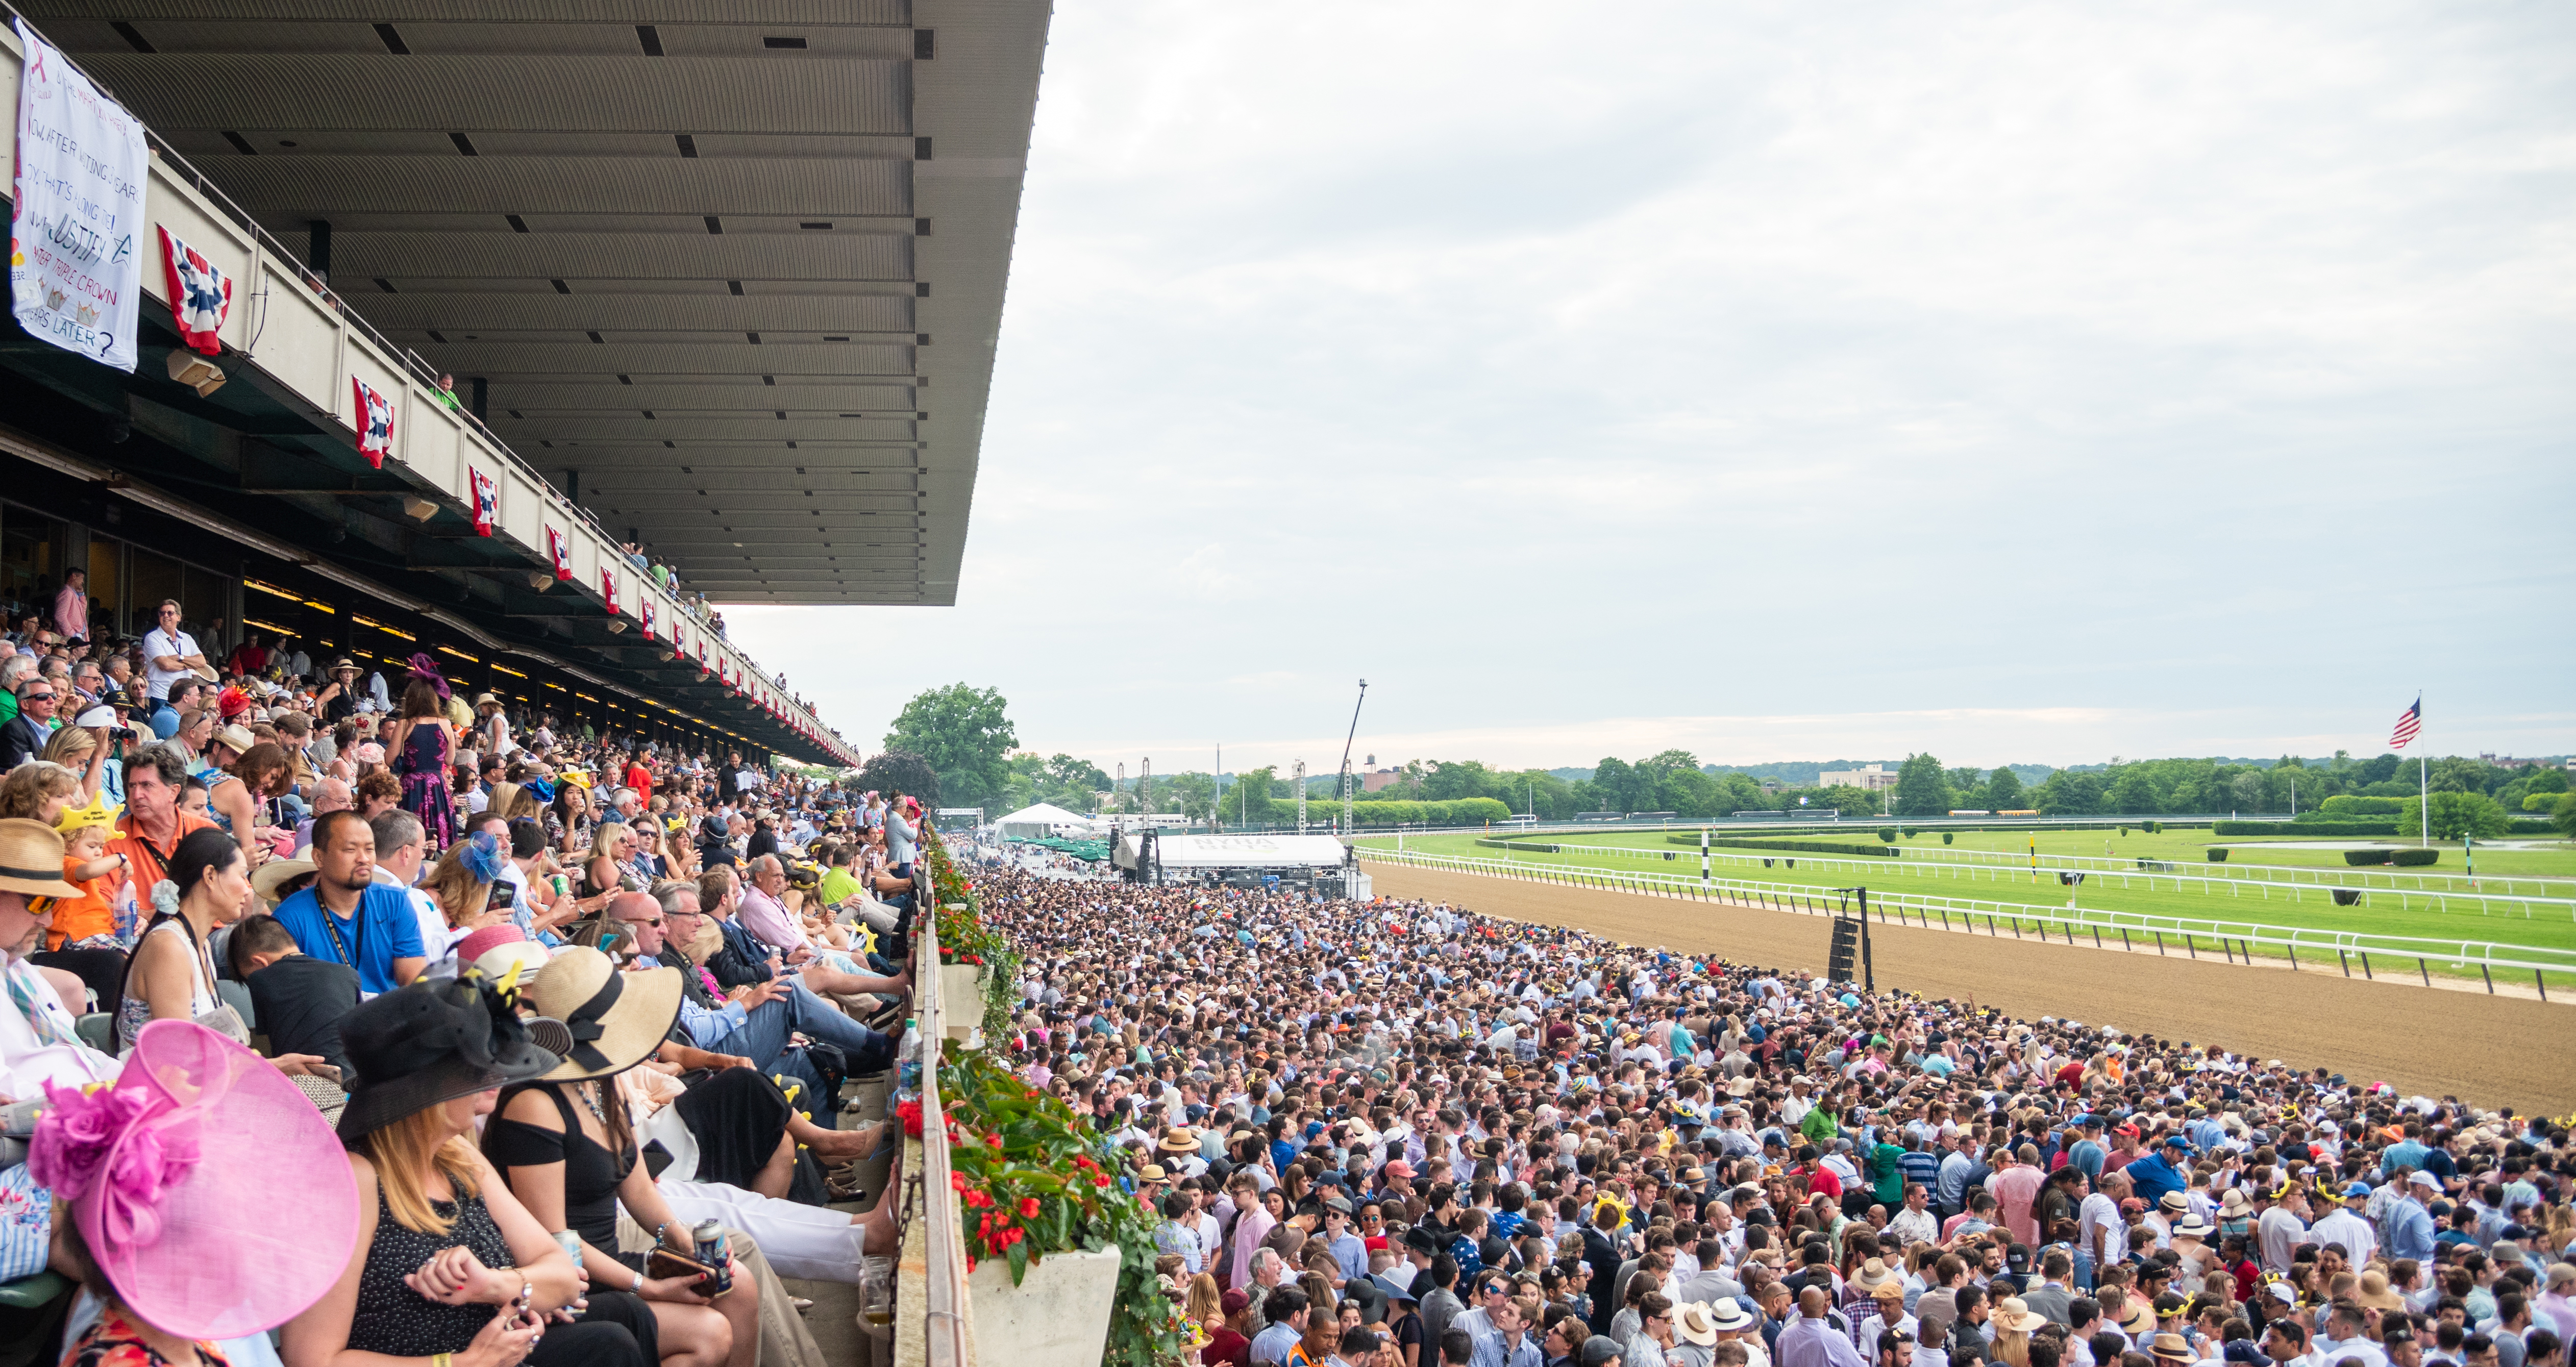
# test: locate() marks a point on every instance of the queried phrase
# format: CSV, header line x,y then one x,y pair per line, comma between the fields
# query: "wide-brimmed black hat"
x,y
417,1046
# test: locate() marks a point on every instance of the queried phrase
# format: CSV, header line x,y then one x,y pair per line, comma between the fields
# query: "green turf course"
x,y
1922,869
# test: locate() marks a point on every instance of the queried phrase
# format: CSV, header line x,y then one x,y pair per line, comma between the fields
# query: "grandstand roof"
x,y
732,276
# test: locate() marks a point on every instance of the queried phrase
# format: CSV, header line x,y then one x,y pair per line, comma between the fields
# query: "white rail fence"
x,y
2135,931
2437,890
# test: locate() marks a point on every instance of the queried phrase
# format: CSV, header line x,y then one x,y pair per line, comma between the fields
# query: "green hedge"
x,y
1808,847
2525,825
1466,811
2358,858
2305,828
2346,806
1527,846
2218,856
2413,859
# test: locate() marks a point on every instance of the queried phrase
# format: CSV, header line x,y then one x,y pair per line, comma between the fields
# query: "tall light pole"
x,y
1301,797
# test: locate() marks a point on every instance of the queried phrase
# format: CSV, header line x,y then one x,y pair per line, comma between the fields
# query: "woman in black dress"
x,y
449,1268
567,1149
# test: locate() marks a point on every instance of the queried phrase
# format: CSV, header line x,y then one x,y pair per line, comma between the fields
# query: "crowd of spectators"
x,y
1388,1134
551,998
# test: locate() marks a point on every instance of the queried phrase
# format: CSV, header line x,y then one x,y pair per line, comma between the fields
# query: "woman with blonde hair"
x,y
38,790
448,1264
467,883
81,750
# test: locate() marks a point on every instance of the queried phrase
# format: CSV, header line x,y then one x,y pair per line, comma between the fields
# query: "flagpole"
x,y
2423,783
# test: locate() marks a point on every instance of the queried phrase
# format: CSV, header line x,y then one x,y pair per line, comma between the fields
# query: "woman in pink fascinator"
x,y
166,1182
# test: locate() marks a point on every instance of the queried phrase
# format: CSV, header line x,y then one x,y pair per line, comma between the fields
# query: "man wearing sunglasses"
x,y
24,737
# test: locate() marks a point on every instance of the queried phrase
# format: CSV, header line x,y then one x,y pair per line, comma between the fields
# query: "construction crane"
x,y
1346,757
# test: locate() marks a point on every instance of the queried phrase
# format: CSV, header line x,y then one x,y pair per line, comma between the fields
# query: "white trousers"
x,y
813,1243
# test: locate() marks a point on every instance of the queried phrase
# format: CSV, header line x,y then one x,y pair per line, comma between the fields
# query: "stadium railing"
x,y
2230,937
932,1308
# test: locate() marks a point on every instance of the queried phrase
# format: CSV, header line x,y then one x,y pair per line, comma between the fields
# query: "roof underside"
x,y
731,274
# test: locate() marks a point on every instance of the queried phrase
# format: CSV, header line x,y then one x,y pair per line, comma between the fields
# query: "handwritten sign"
x,y
75,276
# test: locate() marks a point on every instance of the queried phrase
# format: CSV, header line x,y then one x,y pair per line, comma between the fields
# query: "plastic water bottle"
x,y
908,1069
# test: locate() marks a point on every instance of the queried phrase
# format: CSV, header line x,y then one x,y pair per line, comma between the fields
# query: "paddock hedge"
x,y
2225,828
2413,859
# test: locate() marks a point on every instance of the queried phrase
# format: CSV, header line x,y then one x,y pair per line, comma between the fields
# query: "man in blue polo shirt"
x,y
348,918
2167,1169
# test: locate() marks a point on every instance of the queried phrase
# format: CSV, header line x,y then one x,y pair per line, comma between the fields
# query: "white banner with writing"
x,y
75,275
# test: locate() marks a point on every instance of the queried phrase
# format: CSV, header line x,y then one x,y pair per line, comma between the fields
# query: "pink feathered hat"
x,y
173,1173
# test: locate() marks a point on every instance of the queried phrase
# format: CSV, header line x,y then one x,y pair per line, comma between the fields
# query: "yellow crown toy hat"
x,y
99,812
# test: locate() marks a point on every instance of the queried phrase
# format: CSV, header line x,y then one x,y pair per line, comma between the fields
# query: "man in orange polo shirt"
x,y
150,831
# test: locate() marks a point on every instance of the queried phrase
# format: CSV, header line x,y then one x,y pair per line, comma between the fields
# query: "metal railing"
x,y
2294,879
941,1283
2230,937
177,164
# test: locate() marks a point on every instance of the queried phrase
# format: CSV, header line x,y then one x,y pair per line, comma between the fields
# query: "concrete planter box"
x,y
961,987
1058,1314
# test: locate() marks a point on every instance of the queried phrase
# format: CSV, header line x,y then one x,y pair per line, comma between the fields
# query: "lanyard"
x,y
357,930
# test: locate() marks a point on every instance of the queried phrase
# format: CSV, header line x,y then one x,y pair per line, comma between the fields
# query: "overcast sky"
x,y
2032,384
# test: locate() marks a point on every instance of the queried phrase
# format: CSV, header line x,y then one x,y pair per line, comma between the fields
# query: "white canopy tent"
x,y
1249,852
1040,821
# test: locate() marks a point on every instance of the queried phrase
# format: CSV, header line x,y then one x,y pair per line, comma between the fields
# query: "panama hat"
x,y
1728,1317
272,879
1872,1275
2013,1313
610,1021
429,1042
2174,1348
2140,1319
166,1169
1696,1324
2234,1205
31,859
2193,1227
1181,1139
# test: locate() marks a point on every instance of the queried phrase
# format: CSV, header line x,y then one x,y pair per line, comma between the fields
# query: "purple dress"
x,y
422,766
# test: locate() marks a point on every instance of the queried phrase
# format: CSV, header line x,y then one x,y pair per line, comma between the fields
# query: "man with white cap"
x,y
2410,1222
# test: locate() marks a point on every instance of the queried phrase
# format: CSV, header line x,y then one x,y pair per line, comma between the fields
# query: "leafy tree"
x,y
2134,793
1251,802
1963,781
2563,816
1064,771
2003,792
1922,788
1614,786
2248,791
965,733
2067,793
900,772
2454,815
1192,794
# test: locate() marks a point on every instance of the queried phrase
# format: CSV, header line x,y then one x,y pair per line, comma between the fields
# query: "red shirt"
x,y
640,779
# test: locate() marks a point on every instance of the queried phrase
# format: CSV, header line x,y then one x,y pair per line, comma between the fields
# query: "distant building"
x,y
1770,785
1379,778
1872,777
2510,762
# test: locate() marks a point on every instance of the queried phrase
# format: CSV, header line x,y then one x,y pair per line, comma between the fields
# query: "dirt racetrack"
x,y
2488,1051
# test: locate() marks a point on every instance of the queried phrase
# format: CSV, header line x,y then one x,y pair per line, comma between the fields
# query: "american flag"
x,y
2409,722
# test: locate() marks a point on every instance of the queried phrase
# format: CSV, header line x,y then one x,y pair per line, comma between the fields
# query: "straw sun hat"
x,y
602,1021
31,859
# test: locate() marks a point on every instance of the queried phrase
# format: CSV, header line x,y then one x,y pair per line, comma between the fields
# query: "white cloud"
x,y
1899,376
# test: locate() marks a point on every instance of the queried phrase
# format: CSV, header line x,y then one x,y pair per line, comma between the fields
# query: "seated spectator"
x,y
39,1041
172,975
566,1146
220,1123
447,1261
347,917
299,1000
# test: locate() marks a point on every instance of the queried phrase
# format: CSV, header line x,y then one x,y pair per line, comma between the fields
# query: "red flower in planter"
x,y
1028,1207
911,1113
